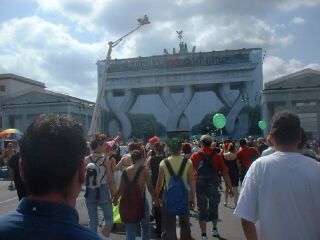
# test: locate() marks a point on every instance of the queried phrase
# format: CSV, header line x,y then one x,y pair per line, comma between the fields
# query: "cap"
x,y
206,139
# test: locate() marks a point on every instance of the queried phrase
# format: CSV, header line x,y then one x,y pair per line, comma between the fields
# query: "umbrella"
x,y
11,133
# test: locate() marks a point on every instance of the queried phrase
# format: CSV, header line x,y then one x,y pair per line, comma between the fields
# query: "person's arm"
x,y
148,165
192,184
150,187
238,164
227,180
117,138
224,172
119,191
110,180
113,164
160,182
249,229
122,162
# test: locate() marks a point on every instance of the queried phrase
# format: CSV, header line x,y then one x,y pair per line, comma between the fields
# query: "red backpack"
x,y
131,207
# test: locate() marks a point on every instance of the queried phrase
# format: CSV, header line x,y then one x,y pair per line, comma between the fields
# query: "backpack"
x,y
206,170
95,173
131,207
176,195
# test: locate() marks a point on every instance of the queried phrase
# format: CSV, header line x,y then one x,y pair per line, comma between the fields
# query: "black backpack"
x,y
206,169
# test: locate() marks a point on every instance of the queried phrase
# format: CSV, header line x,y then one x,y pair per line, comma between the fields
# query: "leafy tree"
x,y
143,125
206,125
254,114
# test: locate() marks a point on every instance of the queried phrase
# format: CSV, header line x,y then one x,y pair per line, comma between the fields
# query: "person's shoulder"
x,y
162,164
10,222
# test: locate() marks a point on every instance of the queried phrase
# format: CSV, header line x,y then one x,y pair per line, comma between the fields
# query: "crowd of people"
x,y
279,178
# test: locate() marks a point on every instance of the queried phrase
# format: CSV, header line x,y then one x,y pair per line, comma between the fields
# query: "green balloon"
x,y
219,120
262,124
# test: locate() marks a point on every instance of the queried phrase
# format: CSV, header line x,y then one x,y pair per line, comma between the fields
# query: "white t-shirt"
x,y
281,195
268,151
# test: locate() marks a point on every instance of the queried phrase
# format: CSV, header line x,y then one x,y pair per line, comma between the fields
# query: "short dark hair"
x,y
135,156
52,149
159,147
285,128
186,148
242,142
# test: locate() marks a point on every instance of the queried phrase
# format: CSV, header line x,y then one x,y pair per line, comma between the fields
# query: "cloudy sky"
x,y
59,41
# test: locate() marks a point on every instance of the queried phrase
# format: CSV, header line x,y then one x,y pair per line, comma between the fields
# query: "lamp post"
x,y
94,126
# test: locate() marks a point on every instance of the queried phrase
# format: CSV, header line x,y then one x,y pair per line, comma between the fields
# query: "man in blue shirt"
x,y
52,167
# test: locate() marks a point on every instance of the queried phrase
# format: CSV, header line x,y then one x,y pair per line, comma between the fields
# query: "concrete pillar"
x,y
225,95
176,109
120,111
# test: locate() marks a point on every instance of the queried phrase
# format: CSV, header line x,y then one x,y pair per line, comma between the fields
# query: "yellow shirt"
x,y
175,162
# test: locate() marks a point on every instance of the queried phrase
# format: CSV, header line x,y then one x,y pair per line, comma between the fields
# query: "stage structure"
x,y
235,76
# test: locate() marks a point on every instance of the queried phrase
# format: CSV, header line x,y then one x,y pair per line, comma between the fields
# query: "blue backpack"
x,y
176,195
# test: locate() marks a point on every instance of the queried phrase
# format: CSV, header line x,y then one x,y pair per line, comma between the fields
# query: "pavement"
x,y
229,226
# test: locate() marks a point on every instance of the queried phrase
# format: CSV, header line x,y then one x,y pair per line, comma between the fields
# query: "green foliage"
x,y
143,125
206,126
254,114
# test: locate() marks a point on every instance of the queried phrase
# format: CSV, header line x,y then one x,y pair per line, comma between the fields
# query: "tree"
x,y
254,114
143,125
206,125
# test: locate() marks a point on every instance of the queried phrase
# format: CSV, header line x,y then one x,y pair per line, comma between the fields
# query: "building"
x,y
298,92
23,99
179,89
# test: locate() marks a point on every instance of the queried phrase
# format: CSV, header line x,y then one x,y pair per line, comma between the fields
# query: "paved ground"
x,y
229,227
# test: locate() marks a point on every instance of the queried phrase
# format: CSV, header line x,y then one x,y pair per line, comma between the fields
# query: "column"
x,y
176,109
120,111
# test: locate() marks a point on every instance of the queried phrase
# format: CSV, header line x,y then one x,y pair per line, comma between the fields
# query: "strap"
x,y
204,156
136,177
170,170
125,176
97,159
182,167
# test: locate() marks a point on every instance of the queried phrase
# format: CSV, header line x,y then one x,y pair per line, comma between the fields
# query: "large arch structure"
x,y
235,76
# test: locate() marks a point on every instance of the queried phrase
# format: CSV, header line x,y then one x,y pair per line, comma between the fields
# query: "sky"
x,y
58,42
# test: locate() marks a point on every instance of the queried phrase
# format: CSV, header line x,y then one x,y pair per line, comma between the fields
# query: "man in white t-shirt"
x,y
280,197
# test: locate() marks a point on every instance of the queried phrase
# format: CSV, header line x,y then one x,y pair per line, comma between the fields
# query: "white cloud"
x,y
298,21
40,50
289,5
275,67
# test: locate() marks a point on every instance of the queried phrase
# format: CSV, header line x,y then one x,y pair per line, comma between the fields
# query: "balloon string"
x,y
221,134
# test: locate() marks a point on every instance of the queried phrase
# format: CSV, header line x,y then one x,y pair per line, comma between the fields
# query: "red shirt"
x,y
217,160
246,155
